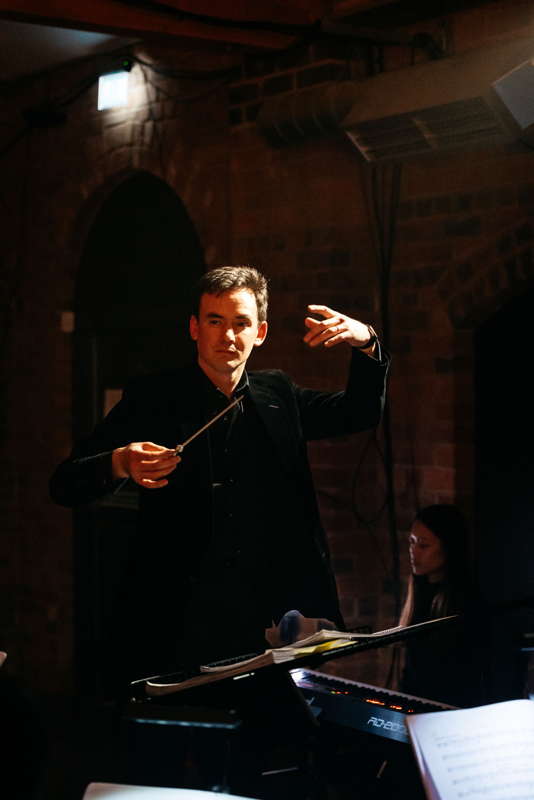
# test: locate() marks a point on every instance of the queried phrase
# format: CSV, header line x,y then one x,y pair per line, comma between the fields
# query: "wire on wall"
x,y
53,113
382,183
369,521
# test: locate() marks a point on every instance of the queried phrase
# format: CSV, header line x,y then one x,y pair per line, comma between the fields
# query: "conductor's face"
x,y
226,330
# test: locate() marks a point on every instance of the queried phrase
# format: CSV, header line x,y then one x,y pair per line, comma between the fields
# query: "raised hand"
x,y
334,328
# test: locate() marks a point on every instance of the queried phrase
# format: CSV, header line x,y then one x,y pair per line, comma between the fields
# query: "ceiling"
x,y
28,48
36,35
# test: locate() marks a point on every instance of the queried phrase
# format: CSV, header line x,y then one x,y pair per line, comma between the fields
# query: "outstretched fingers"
x,y
325,311
320,330
335,328
326,332
337,338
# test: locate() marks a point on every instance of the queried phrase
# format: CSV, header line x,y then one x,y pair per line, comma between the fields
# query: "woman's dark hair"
x,y
447,523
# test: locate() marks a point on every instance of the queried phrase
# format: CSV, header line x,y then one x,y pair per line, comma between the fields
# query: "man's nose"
x,y
229,334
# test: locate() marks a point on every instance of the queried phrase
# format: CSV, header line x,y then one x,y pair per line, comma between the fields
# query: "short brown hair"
x,y
224,279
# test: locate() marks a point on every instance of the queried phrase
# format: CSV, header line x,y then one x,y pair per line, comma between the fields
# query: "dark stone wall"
x,y
462,248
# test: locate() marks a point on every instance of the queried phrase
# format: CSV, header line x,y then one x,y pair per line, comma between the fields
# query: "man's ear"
x,y
193,327
262,333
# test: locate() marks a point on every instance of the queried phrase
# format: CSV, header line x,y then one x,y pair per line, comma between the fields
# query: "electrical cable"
x,y
384,231
289,29
322,28
383,199
155,123
359,516
77,92
187,74
386,262
187,98
51,112
369,522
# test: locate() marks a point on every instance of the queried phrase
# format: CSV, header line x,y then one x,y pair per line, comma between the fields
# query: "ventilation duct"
x,y
482,96
309,112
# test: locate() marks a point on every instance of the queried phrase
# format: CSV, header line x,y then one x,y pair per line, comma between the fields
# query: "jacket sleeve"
x,y
86,475
359,407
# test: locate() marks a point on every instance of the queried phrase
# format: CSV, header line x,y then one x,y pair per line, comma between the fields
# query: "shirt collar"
x,y
214,394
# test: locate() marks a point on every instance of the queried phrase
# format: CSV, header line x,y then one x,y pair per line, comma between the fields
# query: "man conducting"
x,y
229,536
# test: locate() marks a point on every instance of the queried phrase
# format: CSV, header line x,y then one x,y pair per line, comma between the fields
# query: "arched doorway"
x,y
504,480
140,258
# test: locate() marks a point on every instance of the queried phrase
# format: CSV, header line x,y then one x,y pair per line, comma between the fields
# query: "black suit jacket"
x,y
174,522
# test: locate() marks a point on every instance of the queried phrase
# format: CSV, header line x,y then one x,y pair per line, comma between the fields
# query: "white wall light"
x,y
113,90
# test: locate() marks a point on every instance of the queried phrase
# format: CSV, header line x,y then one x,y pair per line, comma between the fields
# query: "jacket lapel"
x,y
275,409
278,420
188,405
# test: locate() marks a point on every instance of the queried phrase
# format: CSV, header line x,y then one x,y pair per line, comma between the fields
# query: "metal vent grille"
x,y
462,123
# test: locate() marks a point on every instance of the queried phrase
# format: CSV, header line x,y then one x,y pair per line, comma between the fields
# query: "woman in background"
x,y
446,664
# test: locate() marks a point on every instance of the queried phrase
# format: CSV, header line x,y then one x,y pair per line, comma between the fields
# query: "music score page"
x,y
483,753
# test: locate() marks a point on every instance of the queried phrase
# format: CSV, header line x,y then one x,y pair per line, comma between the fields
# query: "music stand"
x,y
267,725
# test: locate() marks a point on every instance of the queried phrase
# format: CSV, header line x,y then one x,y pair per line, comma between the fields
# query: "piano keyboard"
x,y
361,706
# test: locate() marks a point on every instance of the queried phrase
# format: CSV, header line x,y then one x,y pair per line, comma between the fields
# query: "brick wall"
x,y
460,255
299,212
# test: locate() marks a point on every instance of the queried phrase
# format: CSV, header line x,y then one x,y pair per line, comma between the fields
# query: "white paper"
x,y
326,635
119,791
484,753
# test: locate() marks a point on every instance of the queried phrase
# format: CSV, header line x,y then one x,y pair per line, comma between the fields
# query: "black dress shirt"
x,y
229,593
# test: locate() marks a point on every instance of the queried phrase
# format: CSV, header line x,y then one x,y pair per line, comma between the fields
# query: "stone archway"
x,y
493,303
480,284
140,257
139,260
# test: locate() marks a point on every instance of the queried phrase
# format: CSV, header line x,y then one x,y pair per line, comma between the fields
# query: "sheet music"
x,y
120,791
327,635
484,753
324,642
